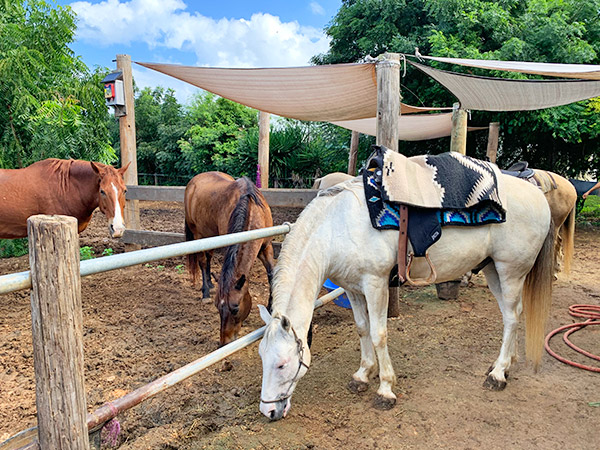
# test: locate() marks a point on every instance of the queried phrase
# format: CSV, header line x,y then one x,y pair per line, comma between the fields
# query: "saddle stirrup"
x,y
420,282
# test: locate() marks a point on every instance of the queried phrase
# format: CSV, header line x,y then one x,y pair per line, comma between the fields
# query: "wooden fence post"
x,y
492,145
458,138
57,327
388,111
353,154
128,145
264,120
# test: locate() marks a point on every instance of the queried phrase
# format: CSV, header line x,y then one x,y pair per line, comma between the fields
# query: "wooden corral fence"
x,y
282,198
58,330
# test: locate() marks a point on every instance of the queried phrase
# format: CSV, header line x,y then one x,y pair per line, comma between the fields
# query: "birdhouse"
x,y
114,93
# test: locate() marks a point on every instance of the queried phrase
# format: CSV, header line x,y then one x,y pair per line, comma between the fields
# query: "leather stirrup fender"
x,y
402,244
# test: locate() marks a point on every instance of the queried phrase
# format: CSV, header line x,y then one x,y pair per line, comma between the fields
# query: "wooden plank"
x,y
57,328
283,198
156,238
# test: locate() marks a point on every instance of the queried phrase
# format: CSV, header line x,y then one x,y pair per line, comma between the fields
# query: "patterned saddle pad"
x,y
462,191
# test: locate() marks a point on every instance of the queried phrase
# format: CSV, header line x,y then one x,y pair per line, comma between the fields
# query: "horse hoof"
x,y
383,403
357,387
494,385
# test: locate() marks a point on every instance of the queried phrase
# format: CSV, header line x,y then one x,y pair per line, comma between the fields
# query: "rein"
x,y
301,363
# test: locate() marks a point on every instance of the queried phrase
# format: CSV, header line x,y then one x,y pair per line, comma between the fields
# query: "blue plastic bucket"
x,y
341,300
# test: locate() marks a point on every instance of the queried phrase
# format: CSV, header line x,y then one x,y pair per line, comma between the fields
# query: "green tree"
x,y
564,139
217,125
51,104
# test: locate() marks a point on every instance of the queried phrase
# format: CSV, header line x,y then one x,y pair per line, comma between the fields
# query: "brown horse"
x,y
216,204
67,187
562,198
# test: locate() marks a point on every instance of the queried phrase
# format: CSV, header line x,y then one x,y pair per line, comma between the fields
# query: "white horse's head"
x,y
285,360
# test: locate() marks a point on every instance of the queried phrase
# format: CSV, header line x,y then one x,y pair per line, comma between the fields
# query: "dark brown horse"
x,y
216,204
57,186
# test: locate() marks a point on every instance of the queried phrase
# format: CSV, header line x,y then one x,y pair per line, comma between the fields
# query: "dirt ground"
x,y
144,321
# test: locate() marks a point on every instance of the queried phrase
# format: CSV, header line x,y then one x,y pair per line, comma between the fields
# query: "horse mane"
x,y
238,221
295,241
61,170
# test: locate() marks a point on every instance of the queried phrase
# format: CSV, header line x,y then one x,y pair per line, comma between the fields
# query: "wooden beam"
x,y
263,147
492,145
458,137
128,142
388,111
57,327
353,154
283,198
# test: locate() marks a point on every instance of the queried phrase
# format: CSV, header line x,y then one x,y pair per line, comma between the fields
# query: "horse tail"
x,y
238,221
567,232
192,258
537,297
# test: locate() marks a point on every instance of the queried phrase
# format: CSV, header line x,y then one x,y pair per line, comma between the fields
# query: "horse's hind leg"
x,y
368,362
507,290
208,273
204,263
376,293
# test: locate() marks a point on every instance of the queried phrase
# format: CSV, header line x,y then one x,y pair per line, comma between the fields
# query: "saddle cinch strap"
x,y
403,265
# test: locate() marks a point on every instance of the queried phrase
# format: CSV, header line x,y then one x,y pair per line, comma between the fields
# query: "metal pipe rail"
x,y
22,280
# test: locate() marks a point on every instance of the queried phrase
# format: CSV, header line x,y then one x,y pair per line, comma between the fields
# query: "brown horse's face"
x,y
234,306
111,195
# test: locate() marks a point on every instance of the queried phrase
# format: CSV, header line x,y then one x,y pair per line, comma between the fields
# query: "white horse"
x,y
333,238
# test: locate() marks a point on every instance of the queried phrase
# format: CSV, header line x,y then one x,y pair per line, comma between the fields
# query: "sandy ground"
x,y
145,321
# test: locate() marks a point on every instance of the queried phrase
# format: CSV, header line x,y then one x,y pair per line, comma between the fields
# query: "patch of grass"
x,y
86,253
108,252
11,248
589,210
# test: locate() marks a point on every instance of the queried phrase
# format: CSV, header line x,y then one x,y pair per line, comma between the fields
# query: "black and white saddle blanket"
x,y
446,189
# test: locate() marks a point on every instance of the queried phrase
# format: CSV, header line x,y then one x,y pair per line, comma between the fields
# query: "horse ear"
x,y
240,283
285,323
122,170
264,314
95,167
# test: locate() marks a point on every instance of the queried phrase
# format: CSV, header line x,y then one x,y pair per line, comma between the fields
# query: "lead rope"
x,y
295,378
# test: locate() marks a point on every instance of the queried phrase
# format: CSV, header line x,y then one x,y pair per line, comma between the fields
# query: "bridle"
x,y
301,363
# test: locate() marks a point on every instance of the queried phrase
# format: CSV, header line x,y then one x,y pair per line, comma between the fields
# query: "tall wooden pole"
x,y
353,155
264,120
458,138
492,145
128,145
388,111
57,328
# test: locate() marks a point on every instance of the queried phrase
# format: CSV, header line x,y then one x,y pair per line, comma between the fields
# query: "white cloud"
x,y
317,9
261,41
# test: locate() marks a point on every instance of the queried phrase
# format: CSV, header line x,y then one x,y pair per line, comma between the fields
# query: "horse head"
x,y
111,193
234,305
285,360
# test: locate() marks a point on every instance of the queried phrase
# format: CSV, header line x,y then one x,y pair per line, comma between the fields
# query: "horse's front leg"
x,y
368,363
377,297
507,291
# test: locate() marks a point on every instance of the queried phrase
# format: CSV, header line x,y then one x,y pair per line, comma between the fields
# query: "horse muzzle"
x,y
276,410
116,232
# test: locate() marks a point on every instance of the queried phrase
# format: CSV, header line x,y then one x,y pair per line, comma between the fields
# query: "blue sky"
x,y
221,33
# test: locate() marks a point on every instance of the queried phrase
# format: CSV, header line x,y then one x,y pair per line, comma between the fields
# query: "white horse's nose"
x,y
116,231
275,411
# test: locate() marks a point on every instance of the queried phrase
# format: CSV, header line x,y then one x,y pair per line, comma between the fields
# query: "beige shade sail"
x,y
501,94
416,127
580,71
316,93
